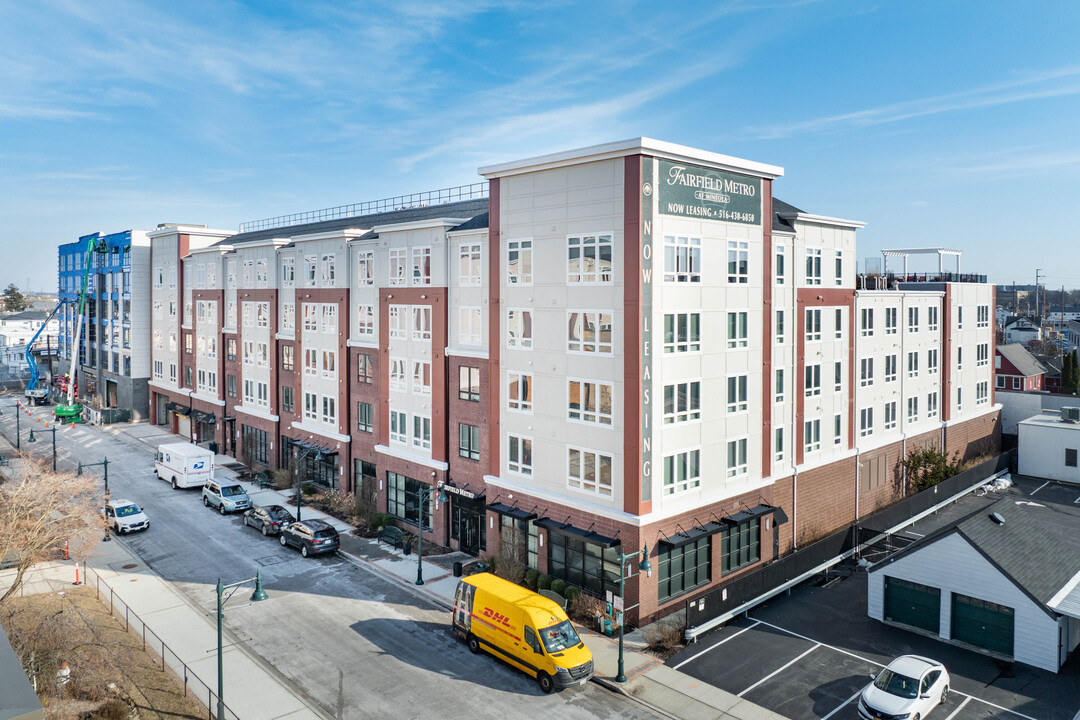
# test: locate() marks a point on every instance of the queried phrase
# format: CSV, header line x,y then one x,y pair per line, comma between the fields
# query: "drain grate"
x,y
270,560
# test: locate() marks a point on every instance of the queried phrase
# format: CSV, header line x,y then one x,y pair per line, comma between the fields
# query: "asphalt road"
x,y
355,642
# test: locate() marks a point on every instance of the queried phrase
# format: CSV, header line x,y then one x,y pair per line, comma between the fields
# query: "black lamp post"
x,y
425,497
18,427
34,439
645,566
104,464
256,596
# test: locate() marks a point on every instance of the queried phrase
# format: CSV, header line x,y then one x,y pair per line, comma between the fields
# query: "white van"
x,y
184,465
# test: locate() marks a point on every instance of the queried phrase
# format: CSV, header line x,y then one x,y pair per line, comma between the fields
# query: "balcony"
x,y
892,281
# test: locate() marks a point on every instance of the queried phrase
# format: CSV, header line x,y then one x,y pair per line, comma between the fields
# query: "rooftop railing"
x,y
428,198
892,282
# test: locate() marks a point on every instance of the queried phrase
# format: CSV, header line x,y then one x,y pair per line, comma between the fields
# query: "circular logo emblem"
x,y
646,189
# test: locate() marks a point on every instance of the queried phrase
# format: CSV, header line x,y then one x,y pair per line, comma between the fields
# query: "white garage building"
x,y
1004,581
1049,444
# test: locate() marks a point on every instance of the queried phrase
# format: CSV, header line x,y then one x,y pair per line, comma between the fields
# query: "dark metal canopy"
x,y
178,408
568,529
513,512
695,533
749,514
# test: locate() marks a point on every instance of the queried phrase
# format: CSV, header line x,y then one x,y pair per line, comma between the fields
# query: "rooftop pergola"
x,y
904,253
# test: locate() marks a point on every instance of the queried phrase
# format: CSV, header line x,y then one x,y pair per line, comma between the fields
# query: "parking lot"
x,y
809,654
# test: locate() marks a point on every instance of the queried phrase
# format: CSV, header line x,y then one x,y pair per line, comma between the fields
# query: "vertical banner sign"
x,y
647,165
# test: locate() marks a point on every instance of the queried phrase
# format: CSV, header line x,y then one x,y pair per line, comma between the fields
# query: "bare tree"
x,y
512,558
40,511
367,499
248,448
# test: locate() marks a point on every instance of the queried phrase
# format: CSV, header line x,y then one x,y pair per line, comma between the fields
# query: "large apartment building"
x,y
626,345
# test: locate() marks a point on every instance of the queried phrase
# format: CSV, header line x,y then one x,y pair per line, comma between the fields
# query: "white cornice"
x,y
188,230
169,388
411,457
822,220
207,399
344,234
474,232
458,352
256,413
329,434
420,224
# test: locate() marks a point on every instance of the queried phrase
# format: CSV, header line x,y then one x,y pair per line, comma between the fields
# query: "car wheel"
x,y
174,485
474,644
917,716
944,695
303,550
221,508
547,684
281,539
264,532
205,502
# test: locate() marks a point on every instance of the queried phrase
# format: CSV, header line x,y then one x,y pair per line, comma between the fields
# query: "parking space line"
x,y
780,669
1032,493
959,708
713,647
844,704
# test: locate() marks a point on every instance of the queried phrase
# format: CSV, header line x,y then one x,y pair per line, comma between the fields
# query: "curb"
x,y
370,567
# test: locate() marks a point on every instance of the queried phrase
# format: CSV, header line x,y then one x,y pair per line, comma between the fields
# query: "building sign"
x,y
457,491
647,185
692,191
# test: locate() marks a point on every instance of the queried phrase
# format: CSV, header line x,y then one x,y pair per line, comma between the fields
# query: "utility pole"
x,y
1038,307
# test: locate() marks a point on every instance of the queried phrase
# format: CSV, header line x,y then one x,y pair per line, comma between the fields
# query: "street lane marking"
x,y
780,669
1032,492
959,708
840,707
713,647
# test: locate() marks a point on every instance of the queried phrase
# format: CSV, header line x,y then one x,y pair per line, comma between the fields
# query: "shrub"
x,y
114,709
543,582
378,520
531,576
572,593
558,586
666,635
308,488
586,608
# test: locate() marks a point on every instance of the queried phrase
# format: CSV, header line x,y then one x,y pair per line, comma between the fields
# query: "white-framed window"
x,y
589,259
737,465
839,267
959,358
866,322
249,392
812,436
778,445
737,331
469,325
365,267
682,332
519,395
866,372
262,272
172,342
421,266
812,385
248,314
913,409
398,316
778,385
890,368
365,320
288,271
172,372
1001,382
200,276
890,415
589,471
397,374
310,269
399,258
589,331
682,259
959,317
519,455
262,394
913,319
329,364
470,263
813,266
311,317
682,402
780,328
982,393
813,325
328,269
519,329
159,370
159,276
262,315
838,424
982,354
781,264
519,267
982,316
329,319
838,376
890,321
931,405
738,262
421,377
932,318
737,393
590,401
838,324
959,399
311,361
913,364
262,354
399,427
311,405
159,339
230,273
288,316
866,422
421,436
230,314
421,322
682,471
249,352
932,361
1017,383
247,274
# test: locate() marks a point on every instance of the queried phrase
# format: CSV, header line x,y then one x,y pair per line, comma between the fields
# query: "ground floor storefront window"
x,y
740,545
255,444
588,565
683,568
407,500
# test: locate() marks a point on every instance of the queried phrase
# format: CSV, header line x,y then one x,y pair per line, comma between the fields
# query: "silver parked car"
x,y
225,495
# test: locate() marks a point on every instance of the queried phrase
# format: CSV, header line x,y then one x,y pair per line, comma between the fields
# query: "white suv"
x,y
125,516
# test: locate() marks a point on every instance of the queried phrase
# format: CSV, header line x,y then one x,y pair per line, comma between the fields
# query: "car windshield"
x,y
326,533
898,685
230,490
559,637
127,510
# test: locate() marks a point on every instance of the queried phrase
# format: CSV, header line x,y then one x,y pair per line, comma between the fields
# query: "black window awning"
x,y
311,449
749,514
516,513
695,533
203,417
178,408
568,529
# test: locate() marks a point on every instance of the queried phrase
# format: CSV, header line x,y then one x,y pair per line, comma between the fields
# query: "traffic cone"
x,y
76,573
65,549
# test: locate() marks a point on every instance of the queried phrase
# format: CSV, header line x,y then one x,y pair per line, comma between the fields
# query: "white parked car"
x,y
125,516
908,689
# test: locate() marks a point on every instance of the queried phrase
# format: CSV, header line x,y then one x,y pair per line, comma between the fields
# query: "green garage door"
x,y
982,623
913,604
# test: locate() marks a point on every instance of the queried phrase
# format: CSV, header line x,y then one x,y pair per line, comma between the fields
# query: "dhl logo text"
x,y
497,617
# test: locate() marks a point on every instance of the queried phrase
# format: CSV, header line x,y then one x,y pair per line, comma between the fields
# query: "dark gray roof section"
x,y
782,208
464,208
1021,359
17,698
28,315
478,222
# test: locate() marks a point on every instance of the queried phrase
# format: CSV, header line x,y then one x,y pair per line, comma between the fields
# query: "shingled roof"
x,y
1021,359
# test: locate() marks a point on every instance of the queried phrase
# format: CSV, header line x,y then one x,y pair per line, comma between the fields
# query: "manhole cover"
x,y
129,566
271,560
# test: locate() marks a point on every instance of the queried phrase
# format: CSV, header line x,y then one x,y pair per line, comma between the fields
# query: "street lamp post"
x,y
256,596
104,464
18,426
425,496
53,431
644,565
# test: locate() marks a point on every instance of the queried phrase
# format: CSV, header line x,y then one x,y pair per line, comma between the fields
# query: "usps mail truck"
x,y
184,465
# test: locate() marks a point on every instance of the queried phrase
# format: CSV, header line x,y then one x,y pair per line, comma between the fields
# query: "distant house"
x,y
1021,331
1048,445
987,583
1017,369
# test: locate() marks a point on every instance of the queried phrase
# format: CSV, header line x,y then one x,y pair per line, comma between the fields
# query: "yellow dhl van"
x,y
526,630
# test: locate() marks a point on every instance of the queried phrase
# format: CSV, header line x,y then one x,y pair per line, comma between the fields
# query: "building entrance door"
x,y
110,393
467,523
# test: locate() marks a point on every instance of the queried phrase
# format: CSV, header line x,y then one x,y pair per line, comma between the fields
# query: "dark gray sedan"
x,y
268,518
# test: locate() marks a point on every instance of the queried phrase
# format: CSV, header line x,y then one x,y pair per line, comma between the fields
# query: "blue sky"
x,y
953,124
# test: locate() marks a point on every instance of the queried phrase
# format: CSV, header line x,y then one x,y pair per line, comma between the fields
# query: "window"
x,y
519,262
813,266
311,361
469,441
469,325
311,317
778,386
779,327
1070,457
740,545
959,358
363,369
288,358
258,441
589,471
519,457
682,259
838,324
913,409
913,319
781,264
365,318
587,565
409,500
589,332
469,383
813,325
287,400
682,402
590,402
813,380
982,394
421,322
329,319
188,377
682,472
683,568
838,376
736,458
261,273
837,425
890,415
982,316
866,372
890,321
960,317
890,368
469,264
1001,381
737,393
982,354
778,444
328,268
738,262
1017,383
159,370
399,321
329,364
931,405
309,270
288,316
519,329
421,432
421,266
866,422
812,436
172,373
399,431
682,332
866,323
364,416
397,374
913,364
959,399
398,260
230,385
249,392
247,275
737,333
365,267
421,384
230,273
588,259
932,318
839,267
520,395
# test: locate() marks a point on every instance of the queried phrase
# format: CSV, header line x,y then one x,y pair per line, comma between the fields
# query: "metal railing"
x,y
473,191
891,281
193,685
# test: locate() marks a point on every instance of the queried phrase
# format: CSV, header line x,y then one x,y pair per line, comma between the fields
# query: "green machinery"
x,y
72,411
